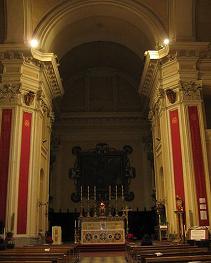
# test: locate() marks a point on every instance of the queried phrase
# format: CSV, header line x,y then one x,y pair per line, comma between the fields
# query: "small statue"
x,y
179,203
102,209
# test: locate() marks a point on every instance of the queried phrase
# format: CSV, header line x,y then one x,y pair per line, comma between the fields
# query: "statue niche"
x,y
101,168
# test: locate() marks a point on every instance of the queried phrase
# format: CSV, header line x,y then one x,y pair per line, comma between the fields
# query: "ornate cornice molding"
x,y
45,61
9,92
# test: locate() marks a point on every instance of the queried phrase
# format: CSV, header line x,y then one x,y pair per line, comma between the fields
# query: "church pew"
x,y
70,252
178,258
38,256
190,252
136,256
135,250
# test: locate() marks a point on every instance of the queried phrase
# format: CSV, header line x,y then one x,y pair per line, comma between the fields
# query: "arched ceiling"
x,y
125,22
101,55
101,33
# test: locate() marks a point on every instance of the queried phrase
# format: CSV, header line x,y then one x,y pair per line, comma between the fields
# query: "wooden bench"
x,y
62,253
143,256
136,251
185,258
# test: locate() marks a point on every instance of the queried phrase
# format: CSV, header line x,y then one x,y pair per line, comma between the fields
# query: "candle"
x,y
95,193
88,192
81,193
109,192
122,192
75,223
116,192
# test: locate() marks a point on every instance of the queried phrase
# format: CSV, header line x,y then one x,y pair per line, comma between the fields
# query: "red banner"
x,y
4,159
24,174
177,154
198,164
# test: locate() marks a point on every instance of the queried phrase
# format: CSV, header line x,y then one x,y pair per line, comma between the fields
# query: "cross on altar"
x,y
125,213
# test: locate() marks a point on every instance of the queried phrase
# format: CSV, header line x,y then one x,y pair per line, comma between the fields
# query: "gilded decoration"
x,y
9,91
190,90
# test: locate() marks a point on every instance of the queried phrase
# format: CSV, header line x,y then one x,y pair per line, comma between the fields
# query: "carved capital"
x,y
189,88
9,91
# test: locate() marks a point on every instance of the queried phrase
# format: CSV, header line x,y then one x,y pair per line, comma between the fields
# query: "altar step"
x,y
100,247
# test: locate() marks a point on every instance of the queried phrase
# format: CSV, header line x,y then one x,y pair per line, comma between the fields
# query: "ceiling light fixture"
x,y
166,41
34,43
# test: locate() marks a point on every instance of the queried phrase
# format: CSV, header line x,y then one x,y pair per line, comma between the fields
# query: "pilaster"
x,y
182,142
29,82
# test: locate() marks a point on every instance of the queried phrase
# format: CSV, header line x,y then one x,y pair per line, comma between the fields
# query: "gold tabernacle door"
x,y
102,230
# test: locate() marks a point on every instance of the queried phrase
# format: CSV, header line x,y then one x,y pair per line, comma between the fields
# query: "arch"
x,y
59,24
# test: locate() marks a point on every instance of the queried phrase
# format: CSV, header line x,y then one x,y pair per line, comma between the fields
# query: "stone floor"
x,y
104,257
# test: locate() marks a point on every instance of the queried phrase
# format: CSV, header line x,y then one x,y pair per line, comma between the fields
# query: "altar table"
x,y
102,230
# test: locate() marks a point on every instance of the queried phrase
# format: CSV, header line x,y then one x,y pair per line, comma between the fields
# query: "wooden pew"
x,y
169,253
61,253
136,250
33,257
178,258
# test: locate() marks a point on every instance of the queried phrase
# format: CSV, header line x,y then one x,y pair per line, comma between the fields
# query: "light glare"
x,y
34,43
166,41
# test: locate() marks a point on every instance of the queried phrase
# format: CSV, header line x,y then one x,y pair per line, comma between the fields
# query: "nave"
x,y
159,252
103,257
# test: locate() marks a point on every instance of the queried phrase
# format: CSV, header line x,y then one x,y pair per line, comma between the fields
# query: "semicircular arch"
x,y
67,23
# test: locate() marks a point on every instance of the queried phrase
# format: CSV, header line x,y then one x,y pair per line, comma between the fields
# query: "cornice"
x,y
92,119
45,61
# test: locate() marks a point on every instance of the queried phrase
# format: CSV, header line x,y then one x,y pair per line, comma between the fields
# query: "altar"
x,y
102,230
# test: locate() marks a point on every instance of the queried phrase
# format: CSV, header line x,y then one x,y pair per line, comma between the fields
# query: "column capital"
x,y
20,56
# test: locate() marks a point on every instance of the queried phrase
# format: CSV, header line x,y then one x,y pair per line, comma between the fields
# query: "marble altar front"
x,y
102,230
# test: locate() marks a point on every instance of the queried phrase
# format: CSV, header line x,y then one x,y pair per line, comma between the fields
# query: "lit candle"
x,y
122,192
116,192
88,192
109,192
81,193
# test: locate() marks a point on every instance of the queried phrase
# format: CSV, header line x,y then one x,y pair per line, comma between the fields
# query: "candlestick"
x,y
116,192
109,192
88,192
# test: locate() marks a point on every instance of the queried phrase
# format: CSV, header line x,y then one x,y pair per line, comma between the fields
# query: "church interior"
x,y
105,130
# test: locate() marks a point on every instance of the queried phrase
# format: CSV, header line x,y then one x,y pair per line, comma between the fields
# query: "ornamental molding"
x,y
47,62
190,87
41,102
9,91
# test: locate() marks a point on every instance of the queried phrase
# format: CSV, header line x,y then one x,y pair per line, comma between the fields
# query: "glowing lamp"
x,y
166,41
34,43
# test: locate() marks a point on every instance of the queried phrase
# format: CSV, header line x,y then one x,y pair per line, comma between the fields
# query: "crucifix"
x,y
125,214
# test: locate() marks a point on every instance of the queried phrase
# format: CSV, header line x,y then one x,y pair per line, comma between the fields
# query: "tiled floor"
x,y
103,257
